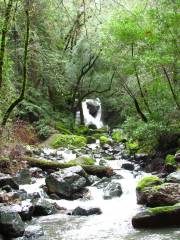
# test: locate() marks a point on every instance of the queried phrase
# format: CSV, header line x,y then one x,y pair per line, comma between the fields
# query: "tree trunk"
x,y
138,109
171,87
21,97
3,38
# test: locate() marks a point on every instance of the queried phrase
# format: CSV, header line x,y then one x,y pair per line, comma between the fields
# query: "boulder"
x,y
102,183
128,166
36,172
113,189
174,177
23,177
44,207
177,157
11,224
167,216
66,182
164,194
92,179
6,179
86,212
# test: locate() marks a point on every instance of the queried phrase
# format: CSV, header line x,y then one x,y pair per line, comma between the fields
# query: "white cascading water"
x,y
89,119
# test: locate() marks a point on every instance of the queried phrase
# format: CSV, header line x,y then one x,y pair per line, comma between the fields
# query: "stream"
x,y
113,224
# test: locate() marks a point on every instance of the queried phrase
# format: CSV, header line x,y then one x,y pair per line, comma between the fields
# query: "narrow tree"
x,y
21,96
3,37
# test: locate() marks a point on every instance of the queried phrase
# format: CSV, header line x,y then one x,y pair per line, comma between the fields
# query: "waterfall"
x,y
92,112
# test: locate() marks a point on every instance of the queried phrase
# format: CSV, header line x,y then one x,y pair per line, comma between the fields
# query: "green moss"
x,y
170,160
82,161
61,128
97,135
65,140
163,209
104,139
118,136
148,182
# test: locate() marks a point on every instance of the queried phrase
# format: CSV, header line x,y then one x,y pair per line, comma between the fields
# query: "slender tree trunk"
x,y
139,84
138,109
3,38
21,97
171,87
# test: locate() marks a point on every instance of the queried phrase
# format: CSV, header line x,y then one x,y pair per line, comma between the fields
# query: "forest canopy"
x,y
55,53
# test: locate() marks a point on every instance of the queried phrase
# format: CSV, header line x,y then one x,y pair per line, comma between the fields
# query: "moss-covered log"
x,y
99,171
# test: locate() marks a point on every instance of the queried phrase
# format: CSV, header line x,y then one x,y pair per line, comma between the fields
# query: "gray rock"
x,y
23,177
43,208
128,166
177,157
92,179
174,177
84,212
102,183
36,172
6,179
11,224
113,189
66,183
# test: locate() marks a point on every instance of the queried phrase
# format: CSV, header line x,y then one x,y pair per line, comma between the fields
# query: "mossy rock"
x,y
61,128
71,141
170,160
82,161
164,209
104,139
118,136
148,181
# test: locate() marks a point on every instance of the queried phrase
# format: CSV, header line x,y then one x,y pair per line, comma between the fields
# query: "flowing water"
x,y
113,224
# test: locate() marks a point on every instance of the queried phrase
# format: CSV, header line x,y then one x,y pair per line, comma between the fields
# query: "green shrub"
x,y
148,182
81,130
170,160
65,140
61,128
118,136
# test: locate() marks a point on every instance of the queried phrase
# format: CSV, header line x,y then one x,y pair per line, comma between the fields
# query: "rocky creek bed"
x,y
72,204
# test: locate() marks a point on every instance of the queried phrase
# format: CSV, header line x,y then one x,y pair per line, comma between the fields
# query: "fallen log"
x,y
44,164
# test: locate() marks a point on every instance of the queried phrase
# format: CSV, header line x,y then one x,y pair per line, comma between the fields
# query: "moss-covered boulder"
x,y
70,141
152,192
84,160
148,181
104,139
166,216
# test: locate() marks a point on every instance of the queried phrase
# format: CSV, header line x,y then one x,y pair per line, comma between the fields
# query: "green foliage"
x,y
148,181
81,130
71,141
61,128
104,139
83,161
118,136
170,160
43,129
